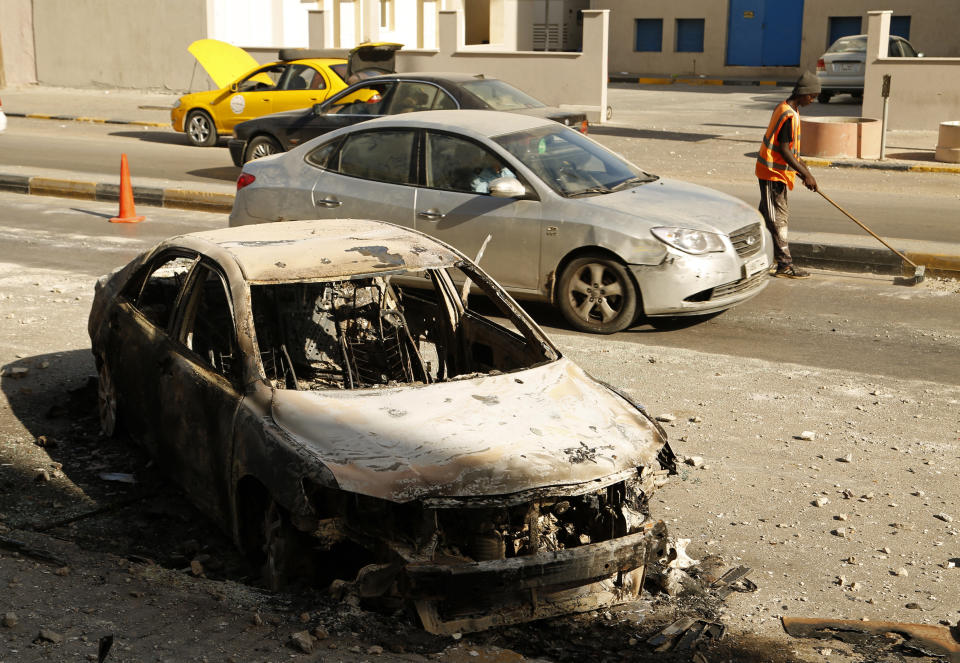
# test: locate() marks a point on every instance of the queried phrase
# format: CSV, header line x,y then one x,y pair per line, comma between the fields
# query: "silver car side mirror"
x,y
507,187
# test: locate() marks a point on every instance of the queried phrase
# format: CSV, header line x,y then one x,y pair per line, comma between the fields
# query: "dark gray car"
x,y
388,95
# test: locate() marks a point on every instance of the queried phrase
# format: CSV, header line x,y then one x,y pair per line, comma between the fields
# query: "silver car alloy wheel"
x,y
597,295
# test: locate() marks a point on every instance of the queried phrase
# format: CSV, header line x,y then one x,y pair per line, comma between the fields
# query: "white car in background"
x,y
841,68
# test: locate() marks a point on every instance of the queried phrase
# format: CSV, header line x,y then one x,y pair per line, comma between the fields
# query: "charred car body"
x,y
323,391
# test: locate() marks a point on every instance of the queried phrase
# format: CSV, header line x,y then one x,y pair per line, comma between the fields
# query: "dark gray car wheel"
x,y
201,131
596,294
261,146
106,400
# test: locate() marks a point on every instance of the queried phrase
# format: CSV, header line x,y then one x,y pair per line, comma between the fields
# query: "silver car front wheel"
x,y
596,294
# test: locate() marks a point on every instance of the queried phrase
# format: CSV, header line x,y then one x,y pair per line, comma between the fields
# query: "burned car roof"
x,y
321,250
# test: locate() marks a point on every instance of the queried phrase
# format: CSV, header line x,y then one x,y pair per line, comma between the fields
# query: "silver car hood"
x,y
491,435
668,202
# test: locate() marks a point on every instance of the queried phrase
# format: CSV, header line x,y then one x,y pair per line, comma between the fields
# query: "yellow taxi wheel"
x,y
201,131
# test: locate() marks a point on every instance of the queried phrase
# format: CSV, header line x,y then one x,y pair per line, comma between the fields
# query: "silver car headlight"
x,y
688,240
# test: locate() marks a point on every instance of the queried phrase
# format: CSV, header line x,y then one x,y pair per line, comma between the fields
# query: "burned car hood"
x,y
551,425
668,202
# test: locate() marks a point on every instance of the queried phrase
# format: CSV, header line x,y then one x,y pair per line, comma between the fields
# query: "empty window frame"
x,y
690,35
649,35
900,26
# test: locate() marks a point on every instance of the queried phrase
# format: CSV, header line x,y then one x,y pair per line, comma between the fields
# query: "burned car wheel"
x,y
200,129
262,146
106,400
286,554
597,295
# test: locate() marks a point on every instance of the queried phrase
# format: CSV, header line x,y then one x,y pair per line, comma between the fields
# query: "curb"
x,y
684,80
92,120
880,165
872,260
204,201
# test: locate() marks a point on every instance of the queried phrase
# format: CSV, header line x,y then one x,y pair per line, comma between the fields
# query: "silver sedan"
x,y
556,216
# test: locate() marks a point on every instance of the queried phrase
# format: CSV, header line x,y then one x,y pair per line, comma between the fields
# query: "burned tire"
x,y
261,146
596,294
287,558
107,408
201,131
824,97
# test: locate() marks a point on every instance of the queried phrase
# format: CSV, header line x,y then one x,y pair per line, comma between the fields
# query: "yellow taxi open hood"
x,y
223,62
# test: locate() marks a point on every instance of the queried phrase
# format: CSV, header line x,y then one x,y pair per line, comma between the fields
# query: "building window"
x,y
386,14
842,26
900,26
649,33
690,35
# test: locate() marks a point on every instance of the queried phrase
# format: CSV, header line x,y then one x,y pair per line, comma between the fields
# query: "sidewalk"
x,y
827,251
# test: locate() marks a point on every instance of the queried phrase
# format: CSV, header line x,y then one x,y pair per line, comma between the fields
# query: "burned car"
x,y
328,395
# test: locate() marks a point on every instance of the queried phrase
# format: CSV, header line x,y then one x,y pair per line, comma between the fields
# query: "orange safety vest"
x,y
770,164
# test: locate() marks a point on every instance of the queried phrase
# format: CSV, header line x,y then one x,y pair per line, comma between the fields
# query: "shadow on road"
x,y
168,136
221,173
650,134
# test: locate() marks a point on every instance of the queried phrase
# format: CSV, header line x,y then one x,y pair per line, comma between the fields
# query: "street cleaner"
x,y
778,162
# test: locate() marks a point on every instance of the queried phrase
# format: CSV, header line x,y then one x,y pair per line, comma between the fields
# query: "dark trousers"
x,y
773,207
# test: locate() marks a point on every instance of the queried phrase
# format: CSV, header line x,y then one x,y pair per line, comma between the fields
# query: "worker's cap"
x,y
806,84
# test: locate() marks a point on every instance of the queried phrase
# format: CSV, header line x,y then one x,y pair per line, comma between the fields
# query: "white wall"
x,y
923,91
17,65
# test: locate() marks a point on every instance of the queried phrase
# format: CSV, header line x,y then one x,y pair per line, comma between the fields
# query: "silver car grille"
x,y
747,240
728,289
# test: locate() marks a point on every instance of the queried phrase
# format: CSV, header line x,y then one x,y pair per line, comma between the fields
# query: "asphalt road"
x,y
864,324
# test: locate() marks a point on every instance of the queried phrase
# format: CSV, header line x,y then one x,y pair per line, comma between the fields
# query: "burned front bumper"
x,y
452,598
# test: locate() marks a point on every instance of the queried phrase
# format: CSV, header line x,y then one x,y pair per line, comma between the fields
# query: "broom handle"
x,y
875,235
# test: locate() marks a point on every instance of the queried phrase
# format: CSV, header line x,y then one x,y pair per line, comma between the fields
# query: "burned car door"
x,y
200,374
369,174
138,324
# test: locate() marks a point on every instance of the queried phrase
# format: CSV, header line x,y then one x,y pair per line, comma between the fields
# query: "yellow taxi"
x,y
248,89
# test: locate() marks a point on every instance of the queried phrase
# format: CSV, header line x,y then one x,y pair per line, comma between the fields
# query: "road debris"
x,y
915,638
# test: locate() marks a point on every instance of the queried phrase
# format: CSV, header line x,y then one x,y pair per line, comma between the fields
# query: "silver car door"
x,y
369,175
454,206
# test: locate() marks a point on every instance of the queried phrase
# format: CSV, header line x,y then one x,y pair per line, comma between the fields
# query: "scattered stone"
x,y
303,641
375,650
901,572
696,420
62,571
840,581
847,494
949,564
912,606
846,459
320,633
840,531
907,527
840,516
945,517
196,568
15,372
695,461
304,617
666,418
821,501
807,435
48,635
257,619
42,475
885,551
855,586
10,619
918,493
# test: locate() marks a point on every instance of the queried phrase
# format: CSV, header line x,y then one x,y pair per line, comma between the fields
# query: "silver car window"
x,y
849,45
455,164
384,156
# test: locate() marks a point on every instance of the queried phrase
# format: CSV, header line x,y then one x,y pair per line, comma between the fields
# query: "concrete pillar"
x,y
316,36
596,38
878,42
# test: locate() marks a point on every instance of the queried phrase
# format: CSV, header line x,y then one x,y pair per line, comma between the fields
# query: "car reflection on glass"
x,y
569,221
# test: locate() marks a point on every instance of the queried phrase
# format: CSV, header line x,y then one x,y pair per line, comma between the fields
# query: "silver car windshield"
x,y
849,45
499,95
571,164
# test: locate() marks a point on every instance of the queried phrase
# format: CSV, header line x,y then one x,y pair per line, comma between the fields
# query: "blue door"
x,y
764,33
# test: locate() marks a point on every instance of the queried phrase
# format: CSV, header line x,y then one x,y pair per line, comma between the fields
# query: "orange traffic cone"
x,y
127,213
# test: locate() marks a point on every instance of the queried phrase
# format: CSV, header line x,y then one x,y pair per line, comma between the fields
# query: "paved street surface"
x,y
826,413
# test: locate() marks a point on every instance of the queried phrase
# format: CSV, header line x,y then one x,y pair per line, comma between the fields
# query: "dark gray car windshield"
x,y
571,164
499,95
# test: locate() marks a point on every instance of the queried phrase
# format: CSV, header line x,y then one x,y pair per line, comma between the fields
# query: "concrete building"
x,y
760,38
